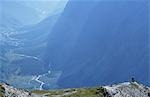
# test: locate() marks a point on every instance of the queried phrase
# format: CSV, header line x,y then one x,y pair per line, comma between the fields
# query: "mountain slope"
x,y
100,43
127,89
22,47
26,15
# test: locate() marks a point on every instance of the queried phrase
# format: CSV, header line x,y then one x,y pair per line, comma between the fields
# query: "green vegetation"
x,y
80,92
90,92
44,92
2,91
134,85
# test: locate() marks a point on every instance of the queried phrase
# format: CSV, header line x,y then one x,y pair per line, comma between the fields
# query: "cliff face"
x,y
127,89
100,43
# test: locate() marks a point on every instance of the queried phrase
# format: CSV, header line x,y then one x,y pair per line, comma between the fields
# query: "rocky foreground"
x,y
127,89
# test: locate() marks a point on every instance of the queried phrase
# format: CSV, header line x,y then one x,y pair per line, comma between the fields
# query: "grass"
x,y
48,93
2,91
134,85
79,92
90,92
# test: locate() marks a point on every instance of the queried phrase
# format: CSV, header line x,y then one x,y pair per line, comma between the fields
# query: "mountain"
x,y
34,40
26,16
96,42
127,89
90,43
22,47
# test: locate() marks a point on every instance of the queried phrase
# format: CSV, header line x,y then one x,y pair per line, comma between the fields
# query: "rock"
x,y
126,89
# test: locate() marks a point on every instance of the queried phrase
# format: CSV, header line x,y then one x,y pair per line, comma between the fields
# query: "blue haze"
x,y
96,43
79,43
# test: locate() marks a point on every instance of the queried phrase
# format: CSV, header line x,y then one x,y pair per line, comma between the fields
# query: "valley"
x,y
22,59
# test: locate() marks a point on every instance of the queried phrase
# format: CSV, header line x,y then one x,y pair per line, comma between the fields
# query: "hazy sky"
x,y
46,7
42,8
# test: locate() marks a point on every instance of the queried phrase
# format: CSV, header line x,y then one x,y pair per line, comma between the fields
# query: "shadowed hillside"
x,y
100,42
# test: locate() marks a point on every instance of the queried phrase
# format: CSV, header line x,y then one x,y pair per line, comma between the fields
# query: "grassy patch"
x,y
134,85
90,92
80,92
48,93
2,91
